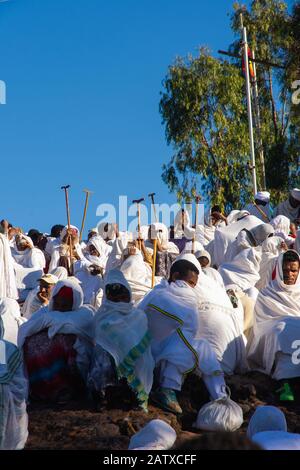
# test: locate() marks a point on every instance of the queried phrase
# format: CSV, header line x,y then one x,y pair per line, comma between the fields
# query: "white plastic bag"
x,y
220,415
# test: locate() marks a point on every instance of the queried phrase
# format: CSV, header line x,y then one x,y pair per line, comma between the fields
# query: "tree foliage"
x,y
203,107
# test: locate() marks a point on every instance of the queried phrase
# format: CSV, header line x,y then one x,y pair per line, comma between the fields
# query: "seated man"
x,y
261,206
57,344
137,272
13,393
277,324
26,254
121,331
291,207
40,296
171,308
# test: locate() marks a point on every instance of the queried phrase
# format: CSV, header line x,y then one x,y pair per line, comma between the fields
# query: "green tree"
x,y
204,112
270,35
203,107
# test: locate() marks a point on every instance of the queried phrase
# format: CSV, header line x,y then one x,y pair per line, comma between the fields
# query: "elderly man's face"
x,y
46,289
290,271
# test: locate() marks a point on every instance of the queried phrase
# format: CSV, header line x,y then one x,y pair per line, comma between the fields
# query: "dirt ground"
x,y
85,426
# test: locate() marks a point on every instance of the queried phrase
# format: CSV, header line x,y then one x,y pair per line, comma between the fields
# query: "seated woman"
x,y
57,344
90,269
273,344
13,393
122,342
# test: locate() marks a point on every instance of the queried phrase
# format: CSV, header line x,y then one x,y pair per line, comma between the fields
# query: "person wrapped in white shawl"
x,y
137,273
89,270
13,396
277,321
57,342
171,308
121,330
224,236
10,320
61,255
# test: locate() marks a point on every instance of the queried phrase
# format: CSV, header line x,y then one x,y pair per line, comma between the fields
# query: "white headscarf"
x,y
183,218
156,435
65,229
266,418
61,273
270,250
278,299
297,247
77,292
103,249
263,196
203,254
8,287
281,225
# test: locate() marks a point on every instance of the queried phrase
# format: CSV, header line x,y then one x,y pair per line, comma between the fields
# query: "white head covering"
x,y
191,258
297,244
242,214
261,232
77,292
64,231
204,254
295,193
183,217
110,233
266,418
60,272
263,196
99,244
233,216
281,225
156,435
114,276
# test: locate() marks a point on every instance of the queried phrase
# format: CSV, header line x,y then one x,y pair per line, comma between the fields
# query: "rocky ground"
x,y
82,426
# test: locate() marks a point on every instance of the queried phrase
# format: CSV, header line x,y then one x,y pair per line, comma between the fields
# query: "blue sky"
x,y
83,80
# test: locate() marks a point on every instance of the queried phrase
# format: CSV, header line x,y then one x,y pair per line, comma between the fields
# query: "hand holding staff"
x,y
69,240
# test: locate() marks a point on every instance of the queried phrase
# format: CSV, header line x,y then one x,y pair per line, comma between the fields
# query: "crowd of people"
x,y
147,309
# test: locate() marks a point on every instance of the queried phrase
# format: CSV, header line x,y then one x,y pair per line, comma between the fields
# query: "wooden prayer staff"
x,y
154,262
197,199
69,239
87,194
262,212
151,195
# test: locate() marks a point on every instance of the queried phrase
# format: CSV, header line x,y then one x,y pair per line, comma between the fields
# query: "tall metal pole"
x,y
258,127
249,107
